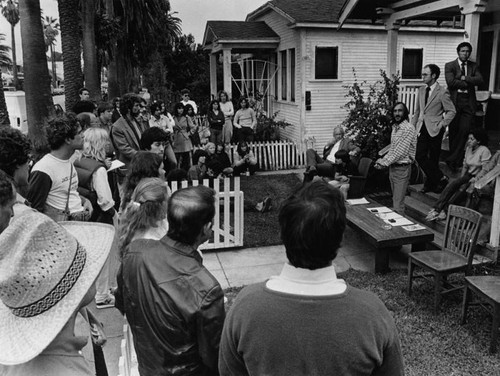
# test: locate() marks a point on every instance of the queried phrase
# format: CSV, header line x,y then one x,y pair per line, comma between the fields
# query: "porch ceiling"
x,y
240,36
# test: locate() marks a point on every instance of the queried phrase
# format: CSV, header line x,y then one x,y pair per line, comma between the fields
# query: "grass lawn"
x,y
432,344
262,229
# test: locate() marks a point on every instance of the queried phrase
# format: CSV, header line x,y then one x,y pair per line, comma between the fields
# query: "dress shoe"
x,y
427,189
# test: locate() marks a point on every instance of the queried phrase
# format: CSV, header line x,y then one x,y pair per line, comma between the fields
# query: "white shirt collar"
x,y
301,281
460,62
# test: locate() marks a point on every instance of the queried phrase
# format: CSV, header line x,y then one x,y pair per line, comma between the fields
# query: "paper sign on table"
x,y
413,227
357,201
389,215
398,221
381,209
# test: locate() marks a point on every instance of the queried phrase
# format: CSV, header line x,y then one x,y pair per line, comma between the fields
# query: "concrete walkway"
x,y
234,268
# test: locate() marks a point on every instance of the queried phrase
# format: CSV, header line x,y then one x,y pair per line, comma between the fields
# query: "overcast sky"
x,y
193,13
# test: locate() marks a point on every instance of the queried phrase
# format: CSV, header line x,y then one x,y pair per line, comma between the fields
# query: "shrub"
x,y
368,121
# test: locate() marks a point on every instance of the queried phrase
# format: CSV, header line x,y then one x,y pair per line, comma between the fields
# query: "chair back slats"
x,y
462,229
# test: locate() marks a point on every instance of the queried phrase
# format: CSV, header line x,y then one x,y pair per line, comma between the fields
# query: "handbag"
x,y
59,215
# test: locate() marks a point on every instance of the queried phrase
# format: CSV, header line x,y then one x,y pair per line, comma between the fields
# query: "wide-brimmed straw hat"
x,y
46,269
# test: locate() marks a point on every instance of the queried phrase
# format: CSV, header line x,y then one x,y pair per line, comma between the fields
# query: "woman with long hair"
x,y
227,108
144,164
93,180
216,121
218,161
182,142
94,185
244,159
194,131
476,156
145,216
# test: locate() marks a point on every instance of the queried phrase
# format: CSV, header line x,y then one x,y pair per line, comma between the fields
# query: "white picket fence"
x,y
228,222
408,94
275,155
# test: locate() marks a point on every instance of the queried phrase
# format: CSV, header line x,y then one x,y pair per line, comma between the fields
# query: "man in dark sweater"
x,y
306,321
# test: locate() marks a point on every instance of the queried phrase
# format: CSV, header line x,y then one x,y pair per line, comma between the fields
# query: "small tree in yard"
x,y
368,121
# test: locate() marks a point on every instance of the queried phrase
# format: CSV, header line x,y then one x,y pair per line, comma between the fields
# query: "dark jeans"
x,y
459,129
427,156
245,134
453,192
183,160
323,168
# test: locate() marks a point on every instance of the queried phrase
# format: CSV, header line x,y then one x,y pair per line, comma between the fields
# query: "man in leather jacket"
x,y
174,305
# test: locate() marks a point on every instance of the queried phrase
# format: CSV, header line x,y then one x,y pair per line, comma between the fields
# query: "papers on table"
x,y
116,164
357,201
390,217
413,227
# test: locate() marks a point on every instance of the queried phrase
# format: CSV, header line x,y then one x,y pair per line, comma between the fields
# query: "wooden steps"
x,y
418,204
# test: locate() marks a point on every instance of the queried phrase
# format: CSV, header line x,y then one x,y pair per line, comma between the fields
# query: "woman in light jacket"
x,y
182,142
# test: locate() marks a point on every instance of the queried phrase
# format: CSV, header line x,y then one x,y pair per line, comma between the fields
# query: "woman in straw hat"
x,y
47,273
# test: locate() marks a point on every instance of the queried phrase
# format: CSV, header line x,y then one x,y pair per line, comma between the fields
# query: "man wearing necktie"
x,y
462,76
434,111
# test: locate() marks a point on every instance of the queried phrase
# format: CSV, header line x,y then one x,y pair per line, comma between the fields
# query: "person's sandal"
x,y
109,302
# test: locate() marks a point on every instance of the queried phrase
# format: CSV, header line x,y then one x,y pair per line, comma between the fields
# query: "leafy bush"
x,y
368,121
268,128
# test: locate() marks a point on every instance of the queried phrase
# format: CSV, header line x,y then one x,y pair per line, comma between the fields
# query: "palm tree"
x,y
91,71
39,104
51,30
147,25
11,12
71,49
4,60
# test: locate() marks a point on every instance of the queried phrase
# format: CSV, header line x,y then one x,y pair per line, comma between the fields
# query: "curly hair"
x,y
176,107
146,209
14,150
60,128
7,190
144,164
127,103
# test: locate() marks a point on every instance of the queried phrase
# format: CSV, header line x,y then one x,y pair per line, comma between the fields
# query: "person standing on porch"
x,y
245,121
462,76
433,113
227,109
400,156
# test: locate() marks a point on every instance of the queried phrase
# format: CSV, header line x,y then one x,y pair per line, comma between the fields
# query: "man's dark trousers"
x,y
459,129
427,156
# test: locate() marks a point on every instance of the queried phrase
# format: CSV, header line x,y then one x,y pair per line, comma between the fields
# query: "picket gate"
x,y
275,155
408,94
228,222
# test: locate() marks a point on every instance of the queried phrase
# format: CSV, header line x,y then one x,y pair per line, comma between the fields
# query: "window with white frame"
x,y
292,74
412,63
326,63
283,74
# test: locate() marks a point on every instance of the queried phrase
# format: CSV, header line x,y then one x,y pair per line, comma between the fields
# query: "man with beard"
x,y
400,156
127,131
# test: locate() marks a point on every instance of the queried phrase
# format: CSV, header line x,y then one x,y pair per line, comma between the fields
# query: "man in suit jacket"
x,y
433,113
326,166
462,75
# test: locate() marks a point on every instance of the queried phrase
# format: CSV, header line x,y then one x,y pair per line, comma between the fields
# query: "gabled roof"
x,y
301,11
237,30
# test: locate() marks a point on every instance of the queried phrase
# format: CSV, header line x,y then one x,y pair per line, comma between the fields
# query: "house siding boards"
x,y
365,51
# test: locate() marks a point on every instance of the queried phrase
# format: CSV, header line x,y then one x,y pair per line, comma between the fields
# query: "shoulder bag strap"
x,y
69,189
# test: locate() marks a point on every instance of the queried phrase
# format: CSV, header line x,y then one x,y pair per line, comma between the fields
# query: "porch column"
x,y
472,10
213,75
226,58
392,28
495,216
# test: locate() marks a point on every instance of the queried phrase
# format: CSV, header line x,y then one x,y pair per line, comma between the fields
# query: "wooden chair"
x,y
482,98
357,183
487,289
460,236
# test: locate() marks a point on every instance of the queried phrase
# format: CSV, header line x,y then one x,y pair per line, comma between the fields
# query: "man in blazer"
x,y
326,166
462,75
434,111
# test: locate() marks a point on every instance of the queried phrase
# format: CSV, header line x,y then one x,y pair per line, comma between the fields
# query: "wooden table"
x,y
372,229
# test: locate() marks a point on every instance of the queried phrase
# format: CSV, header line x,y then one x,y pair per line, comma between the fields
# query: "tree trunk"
x,y
113,86
91,71
39,103
70,38
53,61
4,113
14,58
